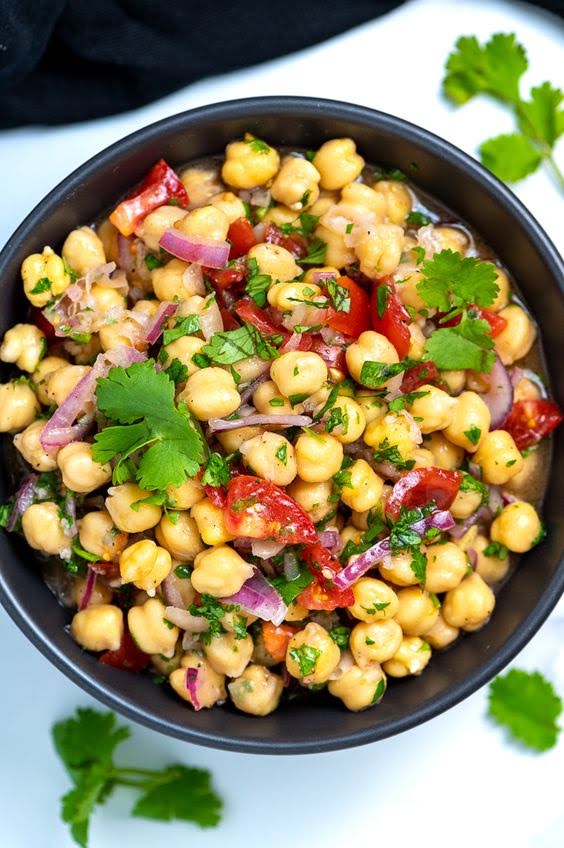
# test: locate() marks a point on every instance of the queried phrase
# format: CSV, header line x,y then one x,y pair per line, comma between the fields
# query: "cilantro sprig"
x,y
527,705
226,348
86,743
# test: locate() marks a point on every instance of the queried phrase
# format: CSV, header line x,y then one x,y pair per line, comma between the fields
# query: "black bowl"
x,y
316,724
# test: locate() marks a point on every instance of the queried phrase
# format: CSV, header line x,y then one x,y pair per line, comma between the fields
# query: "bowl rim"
x,y
326,109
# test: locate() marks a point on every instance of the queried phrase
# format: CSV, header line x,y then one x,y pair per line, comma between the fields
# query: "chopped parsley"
x,y
282,454
257,284
305,657
340,636
473,434
379,691
340,296
418,219
42,285
470,484
152,261
383,293
290,589
375,374
385,452
258,145
231,346
182,327
496,549
177,371
316,252
216,471
399,403
210,609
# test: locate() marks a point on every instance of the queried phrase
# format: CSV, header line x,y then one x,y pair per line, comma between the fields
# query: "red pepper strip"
x,y
422,486
357,319
128,657
294,243
258,509
159,186
420,375
241,236
394,321
322,594
259,318
497,322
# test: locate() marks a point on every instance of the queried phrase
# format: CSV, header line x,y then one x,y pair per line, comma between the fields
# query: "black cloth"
x,y
63,61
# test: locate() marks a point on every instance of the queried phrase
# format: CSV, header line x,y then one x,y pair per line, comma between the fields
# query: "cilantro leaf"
x,y
233,345
494,69
399,403
511,157
181,792
375,374
470,484
541,115
216,471
340,296
315,253
78,804
386,452
177,371
450,280
528,706
340,636
468,345
290,589
305,657
182,327
258,145
89,738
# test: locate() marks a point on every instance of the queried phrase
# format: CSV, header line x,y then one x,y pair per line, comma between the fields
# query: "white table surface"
x,y
453,781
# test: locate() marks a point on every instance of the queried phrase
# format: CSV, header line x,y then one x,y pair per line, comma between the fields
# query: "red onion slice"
x,y
204,251
258,596
329,538
457,531
247,393
472,556
517,374
185,620
264,549
192,687
156,327
24,499
88,589
126,260
499,397
217,425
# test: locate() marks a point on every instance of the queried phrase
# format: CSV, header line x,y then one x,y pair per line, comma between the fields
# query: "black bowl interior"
x,y
316,724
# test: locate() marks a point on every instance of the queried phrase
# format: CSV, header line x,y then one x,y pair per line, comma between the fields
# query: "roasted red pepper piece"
x,y
357,319
529,421
394,320
420,375
241,237
247,310
322,594
128,656
422,486
293,243
160,186
258,509
497,322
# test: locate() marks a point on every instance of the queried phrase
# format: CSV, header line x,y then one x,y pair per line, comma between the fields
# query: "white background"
x,y
454,781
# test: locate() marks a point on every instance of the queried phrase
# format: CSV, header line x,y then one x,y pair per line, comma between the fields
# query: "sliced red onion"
x,y
360,564
171,592
74,292
517,374
259,230
322,276
156,327
126,260
457,531
69,521
242,543
190,641
24,499
258,596
117,281
472,556
393,387
193,279
475,470
495,501
88,589
499,397
260,197
99,271
210,318
329,538
185,620
247,393
263,549
292,343
192,687
218,425
328,334
508,498
204,251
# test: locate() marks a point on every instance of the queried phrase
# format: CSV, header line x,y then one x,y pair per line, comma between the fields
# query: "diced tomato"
x,y
225,278
293,243
258,509
333,355
497,322
259,318
422,486
229,320
322,594
159,186
275,639
128,656
529,421
419,375
357,319
109,570
217,495
39,319
241,236
394,322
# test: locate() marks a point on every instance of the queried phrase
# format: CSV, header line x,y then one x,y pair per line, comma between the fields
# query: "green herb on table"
x,y
527,705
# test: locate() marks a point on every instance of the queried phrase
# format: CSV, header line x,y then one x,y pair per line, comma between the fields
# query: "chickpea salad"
x,y
272,429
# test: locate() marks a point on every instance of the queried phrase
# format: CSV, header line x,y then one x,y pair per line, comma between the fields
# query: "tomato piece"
x,y
275,639
293,243
229,320
419,375
322,594
333,355
225,278
128,656
422,486
241,236
497,322
38,318
394,321
109,570
249,311
357,319
258,509
217,495
159,186
529,421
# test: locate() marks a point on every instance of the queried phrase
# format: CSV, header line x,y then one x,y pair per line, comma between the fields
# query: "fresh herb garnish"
x,y
42,285
258,145
473,434
375,374
527,704
231,346
216,471
316,252
418,219
210,609
399,403
257,284
386,452
496,549
305,657
340,636
340,296
187,326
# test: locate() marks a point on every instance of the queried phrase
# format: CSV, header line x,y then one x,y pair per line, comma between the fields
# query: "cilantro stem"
x,y
544,149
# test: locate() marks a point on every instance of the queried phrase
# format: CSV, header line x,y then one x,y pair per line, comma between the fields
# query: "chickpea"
x,y
41,267
80,472
517,337
170,282
379,250
365,487
399,569
279,215
436,409
186,495
411,657
417,611
450,238
125,516
393,429
465,503
104,298
318,457
220,572
352,417
126,332
369,347
229,655
526,390
180,537
101,593
470,422
210,521
231,440
145,565
249,163
18,406
416,341
275,261
446,454
29,445
166,665
398,199
422,458
42,371
498,457
60,383
312,656
154,225
210,686
201,184
150,630
408,291
211,393
98,535
350,533
312,497
299,372
296,612
373,600
184,349
455,381
375,641
361,195
338,163
359,688
206,222
446,567
256,691
502,297
372,406
441,634
296,184
470,604
83,250
231,205
23,344
98,628
43,530
517,526
338,254
268,400
270,456
491,568
286,296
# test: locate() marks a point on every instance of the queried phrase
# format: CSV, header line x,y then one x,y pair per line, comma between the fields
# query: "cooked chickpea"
x,y
454,380
44,277
268,400
100,594
450,238
146,565
288,296
395,429
104,298
156,222
318,456
417,611
446,567
518,527
446,454
441,634
498,457
352,417
149,629
502,297
408,291
186,495
29,445
43,530
422,458
23,344
83,250
359,688
369,347
211,393
210,686
470,604
379,251
470,422
210,521
201,184
129,518
338,163
166,665
229,655
60,383
220,571
231,205
338,254
365,487
398,568
299,372
181,537
491,568
296,612
372,406
274,260
465,503
312,656
98,535
373,600
296,184
517,337
270,456
256,691
398,199
249,163
231,440
126,332
98,628
80,472
18,406
412,657
361,195
42,371
184,349
205,222
375,641
435,409
171,281
312,497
